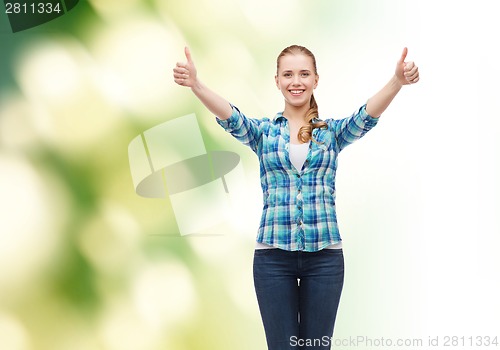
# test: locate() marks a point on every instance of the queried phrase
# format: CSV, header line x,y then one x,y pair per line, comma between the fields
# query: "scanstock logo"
x,y
25,14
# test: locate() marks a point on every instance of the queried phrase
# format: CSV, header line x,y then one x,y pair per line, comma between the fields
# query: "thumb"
x,y
403,55
188,54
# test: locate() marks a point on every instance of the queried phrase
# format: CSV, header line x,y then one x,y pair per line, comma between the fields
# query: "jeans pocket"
x,y
334,251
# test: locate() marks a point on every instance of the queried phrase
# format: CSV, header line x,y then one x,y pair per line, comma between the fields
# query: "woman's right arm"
x,y
185,75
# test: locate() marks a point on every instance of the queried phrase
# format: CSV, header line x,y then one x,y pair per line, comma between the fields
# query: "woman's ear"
x,y
316,81
277,82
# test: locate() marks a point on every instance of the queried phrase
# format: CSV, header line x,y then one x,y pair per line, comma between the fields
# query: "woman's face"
x,y
296,79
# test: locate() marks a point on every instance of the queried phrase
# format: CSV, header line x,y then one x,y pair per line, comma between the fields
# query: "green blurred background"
x,y
86,263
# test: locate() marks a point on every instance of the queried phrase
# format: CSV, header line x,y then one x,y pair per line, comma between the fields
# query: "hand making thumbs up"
x,y
406,72
185,73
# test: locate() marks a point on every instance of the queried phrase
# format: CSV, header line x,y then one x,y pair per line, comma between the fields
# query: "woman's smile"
x,y
296,92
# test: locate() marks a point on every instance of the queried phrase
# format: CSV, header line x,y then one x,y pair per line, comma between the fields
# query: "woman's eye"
x,y
287,75
305,74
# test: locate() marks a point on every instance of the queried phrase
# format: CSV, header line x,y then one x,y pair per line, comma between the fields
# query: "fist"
x,y
185,72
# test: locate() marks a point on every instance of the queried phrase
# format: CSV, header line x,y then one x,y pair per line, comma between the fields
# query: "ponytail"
x,y
305,132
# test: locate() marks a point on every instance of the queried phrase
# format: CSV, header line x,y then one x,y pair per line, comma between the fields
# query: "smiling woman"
x,y
298,262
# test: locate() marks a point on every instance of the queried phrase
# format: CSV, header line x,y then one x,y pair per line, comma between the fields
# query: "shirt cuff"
x,y
230,123
366,117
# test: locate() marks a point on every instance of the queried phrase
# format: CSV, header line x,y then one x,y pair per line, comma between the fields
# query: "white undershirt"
x,y
298,155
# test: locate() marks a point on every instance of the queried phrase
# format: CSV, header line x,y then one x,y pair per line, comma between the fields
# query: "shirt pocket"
x,y
324,139
321,150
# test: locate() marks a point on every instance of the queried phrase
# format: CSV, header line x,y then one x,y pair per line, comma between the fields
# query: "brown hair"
x,y
305,132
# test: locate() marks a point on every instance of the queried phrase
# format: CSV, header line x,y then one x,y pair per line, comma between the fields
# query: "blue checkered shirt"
x,y
299,206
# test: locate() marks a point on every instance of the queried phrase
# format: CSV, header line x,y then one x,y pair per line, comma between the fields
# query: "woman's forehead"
x,y
296,62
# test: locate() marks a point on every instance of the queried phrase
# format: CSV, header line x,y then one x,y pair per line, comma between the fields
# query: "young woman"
x,y
298,260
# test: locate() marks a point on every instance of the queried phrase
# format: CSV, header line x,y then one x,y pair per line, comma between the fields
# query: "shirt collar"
x,y
279,116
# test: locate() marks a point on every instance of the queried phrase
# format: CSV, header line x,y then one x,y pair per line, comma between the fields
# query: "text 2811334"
x,y
34,8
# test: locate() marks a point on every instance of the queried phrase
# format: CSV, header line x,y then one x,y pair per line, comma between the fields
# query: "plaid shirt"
x,y
299,206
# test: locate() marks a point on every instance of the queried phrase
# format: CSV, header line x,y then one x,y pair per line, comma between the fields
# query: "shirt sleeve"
x,y
246,130
350,129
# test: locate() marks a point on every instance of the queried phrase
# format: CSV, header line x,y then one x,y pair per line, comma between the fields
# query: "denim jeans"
x,y
298,295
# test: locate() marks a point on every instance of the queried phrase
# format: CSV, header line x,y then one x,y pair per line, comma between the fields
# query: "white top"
x,y
298,155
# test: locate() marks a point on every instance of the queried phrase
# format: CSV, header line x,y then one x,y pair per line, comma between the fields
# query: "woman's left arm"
x,y
406,73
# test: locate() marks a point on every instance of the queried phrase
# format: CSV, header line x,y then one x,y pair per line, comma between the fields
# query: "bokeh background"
x,y
86,263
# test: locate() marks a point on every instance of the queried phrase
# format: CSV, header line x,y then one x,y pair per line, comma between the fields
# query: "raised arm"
x,y
185,75
406,73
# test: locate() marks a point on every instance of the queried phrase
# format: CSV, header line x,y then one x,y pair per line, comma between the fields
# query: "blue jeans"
x,y
298,294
